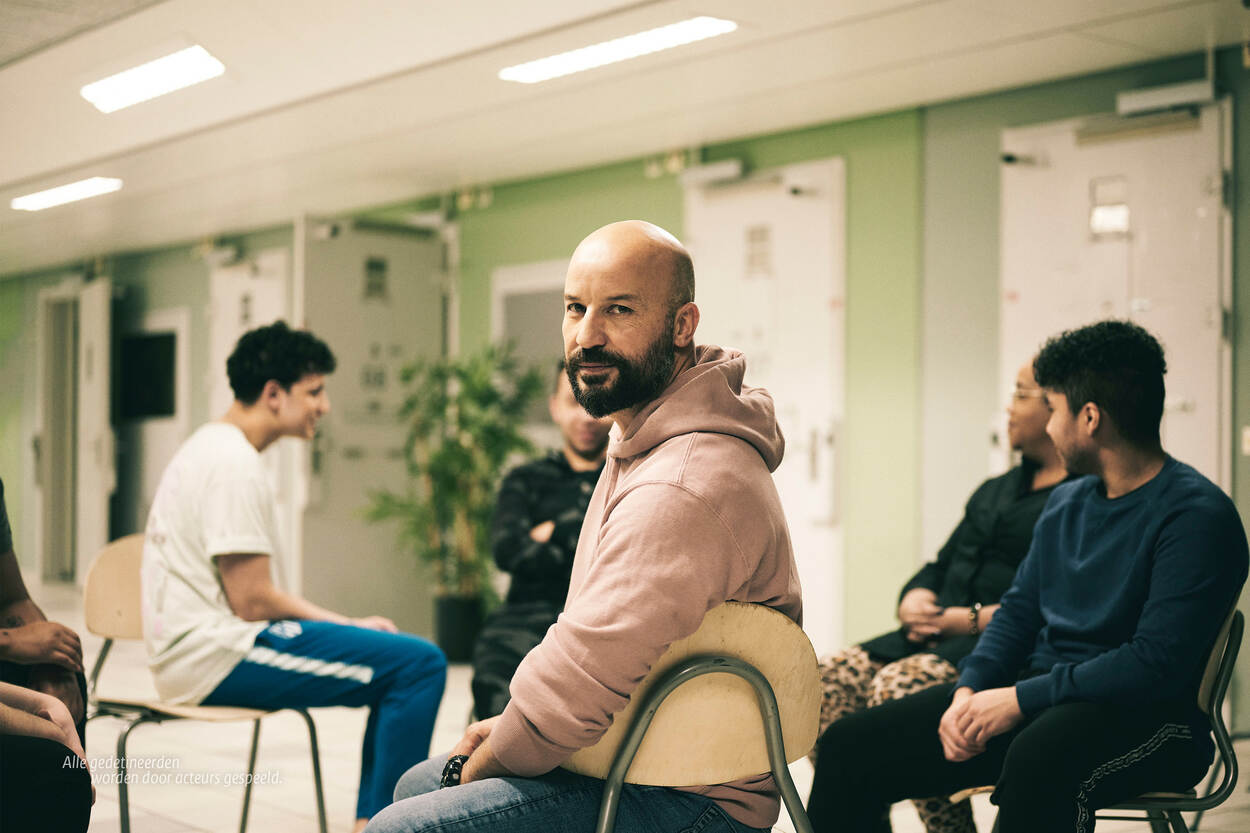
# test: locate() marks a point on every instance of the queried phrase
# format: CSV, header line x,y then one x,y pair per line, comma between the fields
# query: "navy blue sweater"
x,y
1118,601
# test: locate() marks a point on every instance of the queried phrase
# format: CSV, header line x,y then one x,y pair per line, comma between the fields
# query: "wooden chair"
x,y
1163,809
112,608
739,697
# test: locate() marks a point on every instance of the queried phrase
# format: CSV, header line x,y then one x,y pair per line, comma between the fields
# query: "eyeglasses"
x,y
1020,394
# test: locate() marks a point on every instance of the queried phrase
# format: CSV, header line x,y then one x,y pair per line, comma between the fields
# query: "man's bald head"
x,y
647,248
629,323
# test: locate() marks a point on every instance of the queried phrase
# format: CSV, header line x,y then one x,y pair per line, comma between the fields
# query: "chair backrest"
x,y
112,597
1228,642
709,730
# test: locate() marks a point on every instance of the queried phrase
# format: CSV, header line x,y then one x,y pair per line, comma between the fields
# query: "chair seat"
x,y
1145,799
1151,797
212,714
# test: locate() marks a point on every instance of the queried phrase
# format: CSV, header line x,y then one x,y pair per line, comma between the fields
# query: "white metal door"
x,y
769,258
97,474
55,442
376,296
242,297
1127,224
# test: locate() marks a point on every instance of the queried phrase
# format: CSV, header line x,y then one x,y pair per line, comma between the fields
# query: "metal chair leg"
x,y
251,774
1158,821
1215,773
123,794
684,672
316,763
94,676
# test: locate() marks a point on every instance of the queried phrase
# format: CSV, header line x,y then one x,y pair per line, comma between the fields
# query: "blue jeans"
x,y
558,802
299,664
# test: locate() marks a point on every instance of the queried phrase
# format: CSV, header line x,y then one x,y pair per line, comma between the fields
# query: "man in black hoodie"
x,y
533,537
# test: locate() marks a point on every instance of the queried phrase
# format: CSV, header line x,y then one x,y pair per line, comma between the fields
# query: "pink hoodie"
x,y
685,517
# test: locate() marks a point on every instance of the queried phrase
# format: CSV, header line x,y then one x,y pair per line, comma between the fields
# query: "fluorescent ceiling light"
x,y
146,81
620,49
62,194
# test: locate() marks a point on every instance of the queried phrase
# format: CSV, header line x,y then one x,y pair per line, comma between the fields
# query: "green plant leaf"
x,y
461,421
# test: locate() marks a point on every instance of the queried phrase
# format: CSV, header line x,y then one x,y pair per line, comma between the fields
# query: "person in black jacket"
x,y
538,516
947,604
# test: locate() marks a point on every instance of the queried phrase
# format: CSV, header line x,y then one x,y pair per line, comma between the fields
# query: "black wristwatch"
x,y
451,771
974,614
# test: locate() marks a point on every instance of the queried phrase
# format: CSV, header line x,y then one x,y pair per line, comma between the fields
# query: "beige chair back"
x,y
112,598
1213,663
709,730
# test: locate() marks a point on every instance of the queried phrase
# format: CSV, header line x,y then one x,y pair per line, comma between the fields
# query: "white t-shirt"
x,y
213,499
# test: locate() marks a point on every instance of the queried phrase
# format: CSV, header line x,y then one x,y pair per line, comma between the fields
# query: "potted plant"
x,y
463,417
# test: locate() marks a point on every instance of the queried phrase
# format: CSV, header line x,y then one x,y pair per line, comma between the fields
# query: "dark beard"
x,y
636,382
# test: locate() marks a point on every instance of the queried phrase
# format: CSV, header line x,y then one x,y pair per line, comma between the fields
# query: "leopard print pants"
x,y
852,681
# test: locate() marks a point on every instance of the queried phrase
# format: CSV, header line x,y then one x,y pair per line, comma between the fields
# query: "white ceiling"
x,y
329,106
27,26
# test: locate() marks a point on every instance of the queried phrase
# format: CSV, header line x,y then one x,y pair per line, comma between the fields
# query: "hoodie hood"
x,y
708,397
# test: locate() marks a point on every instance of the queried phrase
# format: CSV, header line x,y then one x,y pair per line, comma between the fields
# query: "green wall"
x,y
12,327
544,219
1235,79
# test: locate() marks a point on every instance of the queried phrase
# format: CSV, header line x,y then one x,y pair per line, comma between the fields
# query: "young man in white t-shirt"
x,y
218,627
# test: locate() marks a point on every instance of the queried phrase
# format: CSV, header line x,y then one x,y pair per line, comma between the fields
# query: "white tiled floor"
x,y
188,751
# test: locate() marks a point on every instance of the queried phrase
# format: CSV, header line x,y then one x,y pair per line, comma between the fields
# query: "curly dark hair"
x,y
275,352
1114,364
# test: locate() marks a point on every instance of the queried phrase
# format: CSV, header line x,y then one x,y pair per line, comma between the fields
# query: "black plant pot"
x,y
457,622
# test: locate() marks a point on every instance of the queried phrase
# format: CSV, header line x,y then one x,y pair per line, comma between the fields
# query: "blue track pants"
x,y
300,664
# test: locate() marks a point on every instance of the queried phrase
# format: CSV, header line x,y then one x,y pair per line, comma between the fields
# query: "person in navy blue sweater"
x,y
1081,693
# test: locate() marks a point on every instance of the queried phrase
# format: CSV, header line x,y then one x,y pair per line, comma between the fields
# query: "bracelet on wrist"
x,y
451,771
974,616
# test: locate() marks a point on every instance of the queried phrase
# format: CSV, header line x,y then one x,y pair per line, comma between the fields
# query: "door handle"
x,y
36,445
828,439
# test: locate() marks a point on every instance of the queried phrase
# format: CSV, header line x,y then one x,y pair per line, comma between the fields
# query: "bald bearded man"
x,y
685,517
